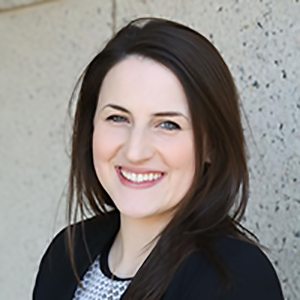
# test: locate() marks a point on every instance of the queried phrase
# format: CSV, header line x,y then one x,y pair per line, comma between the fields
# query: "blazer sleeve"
x,y
254,277
53,268
56,278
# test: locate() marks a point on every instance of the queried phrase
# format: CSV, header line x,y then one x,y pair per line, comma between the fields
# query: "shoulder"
x,y
86,234
55,270
253,276
242,255
249,266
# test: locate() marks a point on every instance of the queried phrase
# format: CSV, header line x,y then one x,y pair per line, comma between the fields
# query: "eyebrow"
x,y
159,114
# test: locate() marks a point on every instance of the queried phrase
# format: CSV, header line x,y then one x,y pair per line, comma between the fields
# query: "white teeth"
x,y
140,177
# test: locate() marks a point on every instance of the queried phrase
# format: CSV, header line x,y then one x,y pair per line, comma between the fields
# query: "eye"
x,y
168,125
116,119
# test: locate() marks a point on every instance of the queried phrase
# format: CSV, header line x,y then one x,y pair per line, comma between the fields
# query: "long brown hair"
x,y
217,198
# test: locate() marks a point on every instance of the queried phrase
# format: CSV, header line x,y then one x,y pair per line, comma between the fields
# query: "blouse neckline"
x,y
104,263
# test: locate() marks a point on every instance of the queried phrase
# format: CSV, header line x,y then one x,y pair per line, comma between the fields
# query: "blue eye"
x,y
116,119
168,125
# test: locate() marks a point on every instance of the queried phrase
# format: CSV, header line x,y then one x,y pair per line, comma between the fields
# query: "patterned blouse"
x,y
98,283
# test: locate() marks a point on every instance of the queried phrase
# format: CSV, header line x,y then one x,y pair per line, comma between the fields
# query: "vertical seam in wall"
x,y
114,16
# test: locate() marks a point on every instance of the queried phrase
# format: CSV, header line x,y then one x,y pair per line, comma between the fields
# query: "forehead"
x,y
139,82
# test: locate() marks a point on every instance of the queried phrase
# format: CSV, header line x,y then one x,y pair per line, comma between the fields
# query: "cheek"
x,y
179,153
104,146
179,156
105,142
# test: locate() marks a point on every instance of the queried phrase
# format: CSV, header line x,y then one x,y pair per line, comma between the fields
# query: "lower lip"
x,y
137,185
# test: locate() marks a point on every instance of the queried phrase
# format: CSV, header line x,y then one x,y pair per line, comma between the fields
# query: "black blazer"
x,y
254,276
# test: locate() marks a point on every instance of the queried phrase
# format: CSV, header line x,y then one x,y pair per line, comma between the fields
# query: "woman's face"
x,y
143,148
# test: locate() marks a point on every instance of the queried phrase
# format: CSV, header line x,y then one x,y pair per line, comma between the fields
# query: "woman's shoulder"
x,y
233,250
253,275
244,258
55,267
85,232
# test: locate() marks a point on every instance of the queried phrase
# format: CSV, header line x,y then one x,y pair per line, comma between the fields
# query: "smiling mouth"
x,y
140,178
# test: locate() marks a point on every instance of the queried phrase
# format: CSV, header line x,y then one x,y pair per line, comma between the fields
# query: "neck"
x,y
130,248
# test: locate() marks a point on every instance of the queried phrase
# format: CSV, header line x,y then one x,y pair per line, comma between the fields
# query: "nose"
x,y
138,147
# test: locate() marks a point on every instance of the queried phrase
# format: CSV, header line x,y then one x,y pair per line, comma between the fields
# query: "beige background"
x,y
44,47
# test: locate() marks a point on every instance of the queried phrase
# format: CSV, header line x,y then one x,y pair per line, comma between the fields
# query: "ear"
x,y
207,151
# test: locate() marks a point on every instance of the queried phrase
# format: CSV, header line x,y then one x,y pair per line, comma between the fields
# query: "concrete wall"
x,y
7,5
43,50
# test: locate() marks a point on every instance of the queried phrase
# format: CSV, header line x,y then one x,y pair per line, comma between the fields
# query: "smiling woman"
x,y
147,163
158,157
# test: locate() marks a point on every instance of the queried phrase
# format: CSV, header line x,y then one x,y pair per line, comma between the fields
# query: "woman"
x,y
158,157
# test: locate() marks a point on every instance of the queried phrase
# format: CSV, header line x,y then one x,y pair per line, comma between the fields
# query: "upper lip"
x,y
139,170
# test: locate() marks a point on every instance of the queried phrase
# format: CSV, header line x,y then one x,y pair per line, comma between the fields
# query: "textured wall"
x,y
19,4
43,50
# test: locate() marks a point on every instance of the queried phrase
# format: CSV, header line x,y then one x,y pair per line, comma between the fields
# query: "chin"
x,y
136,212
